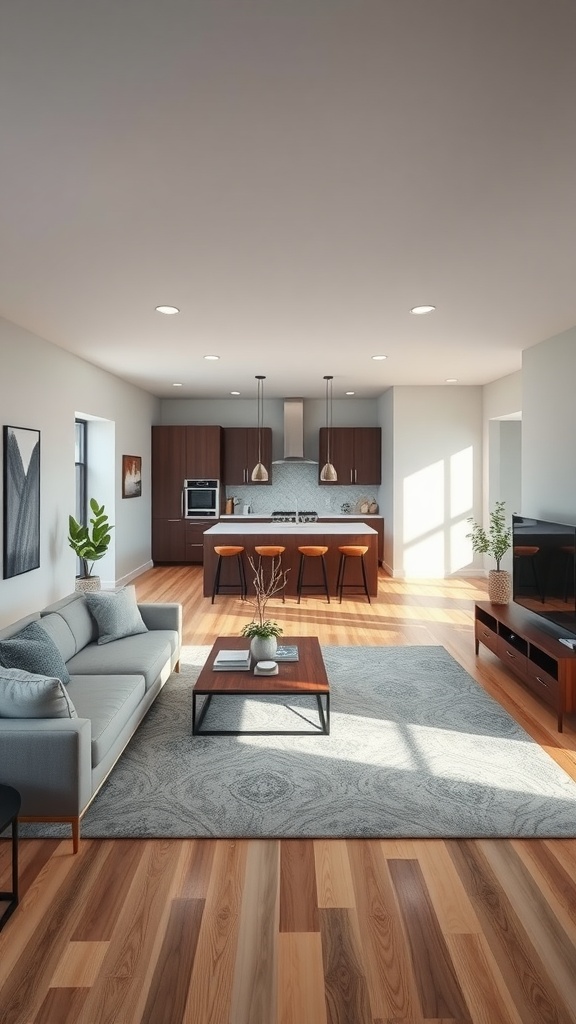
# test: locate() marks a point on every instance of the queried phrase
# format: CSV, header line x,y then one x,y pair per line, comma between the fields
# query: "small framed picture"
x,y
131,476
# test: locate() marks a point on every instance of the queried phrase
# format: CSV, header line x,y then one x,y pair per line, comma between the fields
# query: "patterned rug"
x,y
416,749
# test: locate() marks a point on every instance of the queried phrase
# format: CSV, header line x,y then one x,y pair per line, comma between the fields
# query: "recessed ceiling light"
x,y
211,357
451,380
379,357
234,392
176,385
168,310
419,310
350,392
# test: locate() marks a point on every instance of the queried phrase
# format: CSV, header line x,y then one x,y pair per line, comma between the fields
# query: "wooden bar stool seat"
x,y
312,551
348,551
270,551
230,551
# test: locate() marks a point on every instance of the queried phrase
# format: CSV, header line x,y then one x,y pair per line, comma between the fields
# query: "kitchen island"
x,y
291,536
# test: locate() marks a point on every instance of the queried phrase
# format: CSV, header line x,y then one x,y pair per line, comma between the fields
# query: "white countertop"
x,y
330,515
245,528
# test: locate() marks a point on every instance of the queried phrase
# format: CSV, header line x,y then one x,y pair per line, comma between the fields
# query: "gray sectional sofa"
x,y
59,763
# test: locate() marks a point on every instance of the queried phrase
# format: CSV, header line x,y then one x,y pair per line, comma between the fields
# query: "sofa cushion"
x,y
34,651
28,695
74,610
109,702
60,632
147,654
116,613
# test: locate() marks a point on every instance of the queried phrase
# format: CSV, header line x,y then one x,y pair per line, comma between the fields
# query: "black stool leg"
x,y
325,578
216,586
243,587
300,577
365,580
339,577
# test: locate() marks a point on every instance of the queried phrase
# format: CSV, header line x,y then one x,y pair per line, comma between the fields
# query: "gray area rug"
x,y
417,749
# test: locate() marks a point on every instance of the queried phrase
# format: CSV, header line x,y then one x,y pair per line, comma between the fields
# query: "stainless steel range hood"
x,y
294,433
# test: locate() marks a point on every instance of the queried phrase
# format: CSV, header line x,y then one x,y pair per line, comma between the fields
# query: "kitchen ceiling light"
x,y
451,380
350,392
167,310
379,357
234,392
419,310
176,385
328,474
211,357
260,473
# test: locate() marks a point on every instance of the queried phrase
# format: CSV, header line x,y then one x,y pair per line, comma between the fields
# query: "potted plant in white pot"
x,y
495,542
90,544
264,632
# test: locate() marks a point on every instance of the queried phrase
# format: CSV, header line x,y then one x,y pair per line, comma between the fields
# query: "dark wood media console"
x,y
540,661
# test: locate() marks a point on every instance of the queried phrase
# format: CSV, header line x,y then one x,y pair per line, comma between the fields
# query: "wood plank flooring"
x,y
304,931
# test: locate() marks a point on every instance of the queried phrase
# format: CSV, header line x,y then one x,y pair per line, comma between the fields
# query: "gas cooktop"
x,y
291,517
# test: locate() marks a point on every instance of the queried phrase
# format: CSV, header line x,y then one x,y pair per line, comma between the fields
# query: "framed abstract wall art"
x,y
21,548
131,476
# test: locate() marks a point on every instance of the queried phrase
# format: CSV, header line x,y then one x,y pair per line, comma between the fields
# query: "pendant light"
x,y
260,473
328,474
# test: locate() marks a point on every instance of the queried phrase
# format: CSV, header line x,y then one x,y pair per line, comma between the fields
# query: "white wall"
x,y
549,429
437,477
44,387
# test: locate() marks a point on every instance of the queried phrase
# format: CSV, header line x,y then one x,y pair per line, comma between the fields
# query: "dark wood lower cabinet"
x,y
179,540
168,540
539,660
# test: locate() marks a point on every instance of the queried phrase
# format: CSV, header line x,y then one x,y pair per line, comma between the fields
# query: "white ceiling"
x,y
294,175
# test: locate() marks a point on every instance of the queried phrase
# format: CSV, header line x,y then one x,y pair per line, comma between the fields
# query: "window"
x,y
81,435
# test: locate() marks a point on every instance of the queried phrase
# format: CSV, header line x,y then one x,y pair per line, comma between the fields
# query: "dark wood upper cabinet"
x,y
355,453
241,454
203,453
168,471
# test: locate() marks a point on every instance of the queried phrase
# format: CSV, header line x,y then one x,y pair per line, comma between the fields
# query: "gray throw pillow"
x,y
34,651
116,613
28,695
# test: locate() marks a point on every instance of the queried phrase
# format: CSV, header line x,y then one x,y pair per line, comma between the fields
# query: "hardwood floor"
x,y
304,931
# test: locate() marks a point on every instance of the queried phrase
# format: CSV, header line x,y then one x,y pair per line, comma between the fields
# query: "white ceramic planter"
x,y
263,648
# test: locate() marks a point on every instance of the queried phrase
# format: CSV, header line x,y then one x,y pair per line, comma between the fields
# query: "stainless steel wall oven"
x,y
201,498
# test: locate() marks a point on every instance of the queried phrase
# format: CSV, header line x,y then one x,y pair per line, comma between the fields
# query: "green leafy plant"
x,y
497,541
263,591
90,543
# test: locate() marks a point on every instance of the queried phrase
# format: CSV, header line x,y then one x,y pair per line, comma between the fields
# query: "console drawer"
x,y
542,684
487,636
511,657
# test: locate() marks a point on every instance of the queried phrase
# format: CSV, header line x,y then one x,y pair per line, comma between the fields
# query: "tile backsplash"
x,y
295,484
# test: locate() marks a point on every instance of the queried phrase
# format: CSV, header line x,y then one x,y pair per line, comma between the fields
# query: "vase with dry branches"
x,y
264,632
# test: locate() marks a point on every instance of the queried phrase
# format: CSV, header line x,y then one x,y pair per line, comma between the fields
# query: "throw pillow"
x,y
34,651
27,695
116,613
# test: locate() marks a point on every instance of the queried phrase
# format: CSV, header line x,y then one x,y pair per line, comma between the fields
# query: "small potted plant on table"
x,y
264,632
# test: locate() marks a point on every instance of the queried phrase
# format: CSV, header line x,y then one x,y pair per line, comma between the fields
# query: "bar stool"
x,y
312,551
351,551
10,802
229,551
270,551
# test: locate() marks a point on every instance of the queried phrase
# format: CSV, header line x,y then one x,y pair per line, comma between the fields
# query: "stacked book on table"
x,y
232,661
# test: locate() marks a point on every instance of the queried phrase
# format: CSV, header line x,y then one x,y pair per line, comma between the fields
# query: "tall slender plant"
x,y
497,541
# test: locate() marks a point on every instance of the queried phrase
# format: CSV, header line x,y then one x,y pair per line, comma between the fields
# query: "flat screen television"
x,y
544,572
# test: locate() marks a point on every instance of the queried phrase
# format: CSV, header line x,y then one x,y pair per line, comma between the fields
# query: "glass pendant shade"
x,y
259,474
328,473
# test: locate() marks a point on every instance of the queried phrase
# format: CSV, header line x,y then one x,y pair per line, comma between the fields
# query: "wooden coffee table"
x,y
295,678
